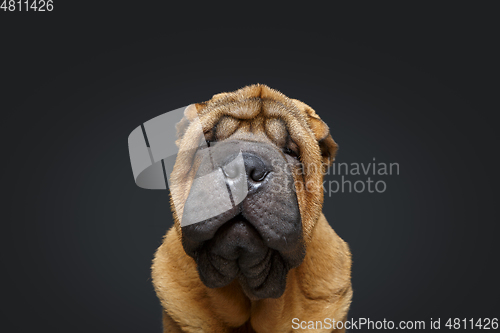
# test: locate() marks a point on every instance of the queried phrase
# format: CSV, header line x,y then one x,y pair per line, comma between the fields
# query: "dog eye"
x,y
291,152
207,144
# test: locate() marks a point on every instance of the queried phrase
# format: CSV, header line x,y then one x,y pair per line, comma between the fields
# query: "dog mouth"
x,y
236,246
237,251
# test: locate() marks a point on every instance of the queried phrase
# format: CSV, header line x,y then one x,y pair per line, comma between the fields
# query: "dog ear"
x,y
321,131
190,114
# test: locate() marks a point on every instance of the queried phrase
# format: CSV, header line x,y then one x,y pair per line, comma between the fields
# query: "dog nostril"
x,y
258,175
256,168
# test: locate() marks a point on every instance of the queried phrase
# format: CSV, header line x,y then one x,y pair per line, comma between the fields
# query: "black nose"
x,y
255,168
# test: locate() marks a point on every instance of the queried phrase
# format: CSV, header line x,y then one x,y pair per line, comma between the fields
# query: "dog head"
x,y
246,189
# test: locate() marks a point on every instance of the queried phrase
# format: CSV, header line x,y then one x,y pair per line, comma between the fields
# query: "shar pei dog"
x,y
250,249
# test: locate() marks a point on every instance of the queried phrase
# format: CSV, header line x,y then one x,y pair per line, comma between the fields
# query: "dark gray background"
x,y
406,85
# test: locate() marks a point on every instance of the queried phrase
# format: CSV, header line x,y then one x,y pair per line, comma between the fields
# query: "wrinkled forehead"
x,y
256,119
258,129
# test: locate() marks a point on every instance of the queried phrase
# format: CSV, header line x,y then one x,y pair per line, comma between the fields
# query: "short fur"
x,y
317,289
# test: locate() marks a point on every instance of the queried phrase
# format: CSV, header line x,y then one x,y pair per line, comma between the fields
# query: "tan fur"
x,y
320,287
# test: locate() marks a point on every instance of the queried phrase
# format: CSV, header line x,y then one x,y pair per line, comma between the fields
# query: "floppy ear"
x,y
321,131
190,114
